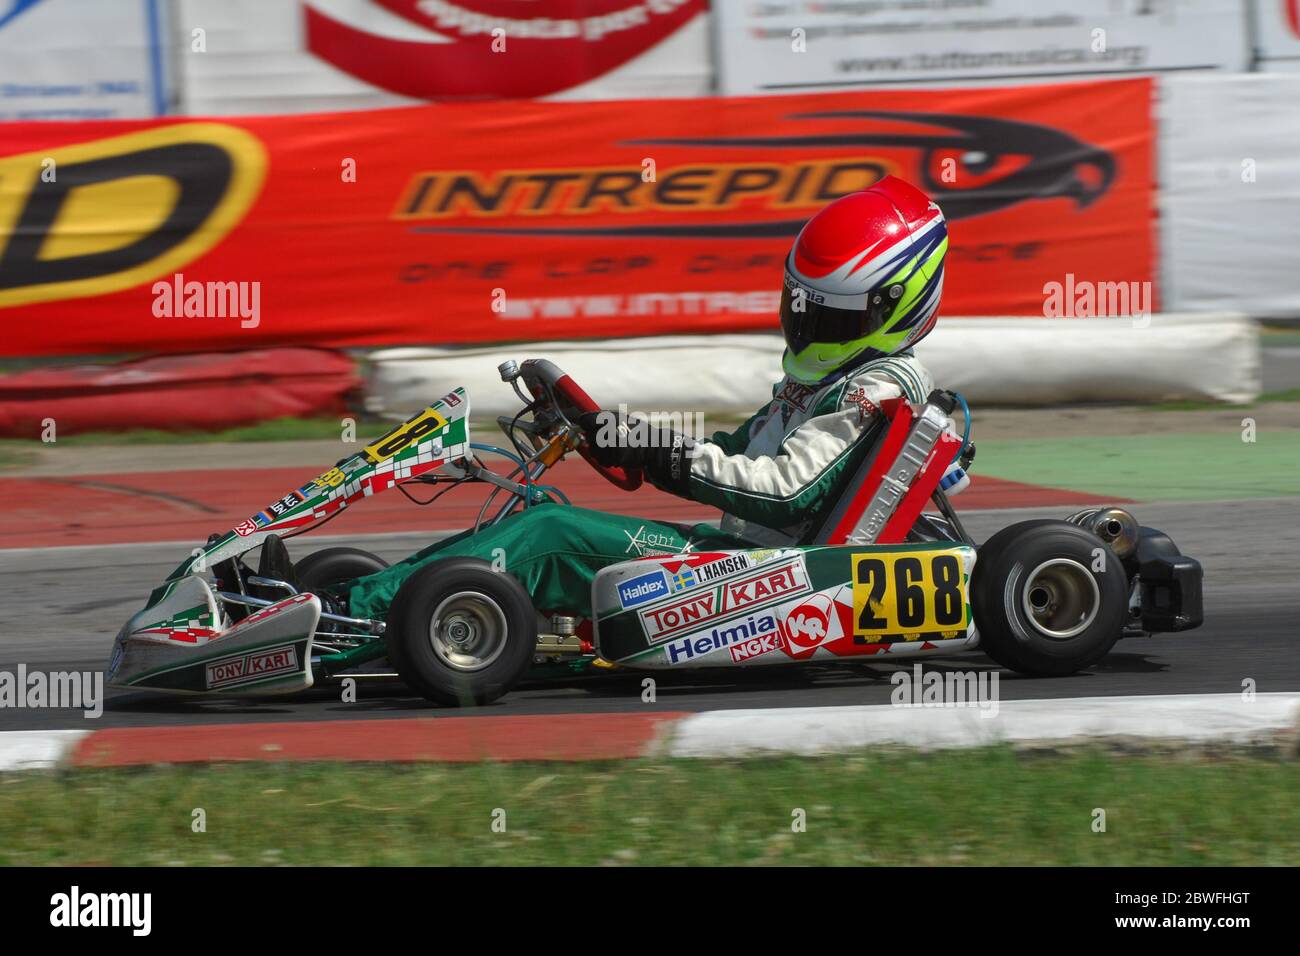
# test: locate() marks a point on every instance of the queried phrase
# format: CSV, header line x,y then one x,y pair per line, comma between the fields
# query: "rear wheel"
x,y
461,633
332,566
1049,597
322,570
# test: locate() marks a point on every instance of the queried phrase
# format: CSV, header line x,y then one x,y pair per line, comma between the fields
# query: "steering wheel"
x,y
544,378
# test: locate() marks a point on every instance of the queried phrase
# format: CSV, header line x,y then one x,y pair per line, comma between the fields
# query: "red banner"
x,y
525,221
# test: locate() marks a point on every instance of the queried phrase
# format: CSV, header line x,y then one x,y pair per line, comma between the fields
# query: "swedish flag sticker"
x,y
685,578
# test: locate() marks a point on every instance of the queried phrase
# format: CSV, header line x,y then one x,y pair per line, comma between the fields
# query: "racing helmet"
x,y
862,280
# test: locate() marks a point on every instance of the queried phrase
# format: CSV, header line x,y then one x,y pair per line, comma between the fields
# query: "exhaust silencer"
x,y
1115,526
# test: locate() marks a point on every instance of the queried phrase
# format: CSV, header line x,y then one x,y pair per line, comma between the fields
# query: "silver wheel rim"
x,y
1061,598
468,631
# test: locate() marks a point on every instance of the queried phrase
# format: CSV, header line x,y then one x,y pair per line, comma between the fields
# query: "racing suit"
x,y
775,478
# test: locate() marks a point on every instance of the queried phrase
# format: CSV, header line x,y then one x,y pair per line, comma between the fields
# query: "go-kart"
x,y
879,575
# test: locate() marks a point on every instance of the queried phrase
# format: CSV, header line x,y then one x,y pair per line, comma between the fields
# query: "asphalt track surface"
x,y
62,606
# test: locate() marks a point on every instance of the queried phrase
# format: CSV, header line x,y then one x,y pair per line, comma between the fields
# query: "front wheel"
x,y
1049,597
461,633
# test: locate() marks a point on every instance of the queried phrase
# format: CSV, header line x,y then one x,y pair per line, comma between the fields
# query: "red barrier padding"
x,y
202,392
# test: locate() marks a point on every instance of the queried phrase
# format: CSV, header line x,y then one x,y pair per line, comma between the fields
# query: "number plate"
x,y
910,594
423,424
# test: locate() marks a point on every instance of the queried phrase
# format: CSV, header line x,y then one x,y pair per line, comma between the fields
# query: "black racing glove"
x,y
661,454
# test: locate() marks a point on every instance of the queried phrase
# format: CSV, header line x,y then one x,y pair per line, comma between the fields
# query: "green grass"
x,y
16,454
1189,405
1169,466
1283,336
989,806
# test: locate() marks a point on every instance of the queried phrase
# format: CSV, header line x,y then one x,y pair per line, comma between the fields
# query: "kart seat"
x,y
276,564
891,486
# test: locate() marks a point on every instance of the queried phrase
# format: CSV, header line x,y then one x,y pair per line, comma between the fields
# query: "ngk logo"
x,y
755,647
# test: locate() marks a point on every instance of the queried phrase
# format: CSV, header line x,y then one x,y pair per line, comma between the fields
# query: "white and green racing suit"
x,y
775,478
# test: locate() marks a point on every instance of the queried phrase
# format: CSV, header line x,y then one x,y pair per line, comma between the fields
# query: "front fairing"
x,y
420,445
182,640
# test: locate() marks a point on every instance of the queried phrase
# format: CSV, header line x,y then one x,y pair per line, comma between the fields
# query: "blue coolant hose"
x,y
965,414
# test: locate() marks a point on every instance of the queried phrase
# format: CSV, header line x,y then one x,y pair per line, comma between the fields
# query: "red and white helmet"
x,y
863,280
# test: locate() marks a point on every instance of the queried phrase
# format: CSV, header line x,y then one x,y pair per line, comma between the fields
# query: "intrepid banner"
x,y
529,221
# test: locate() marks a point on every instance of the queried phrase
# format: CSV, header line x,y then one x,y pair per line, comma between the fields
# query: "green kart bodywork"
x,y
705,599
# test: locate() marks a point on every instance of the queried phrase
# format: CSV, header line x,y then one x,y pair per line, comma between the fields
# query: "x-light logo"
x,y
644,543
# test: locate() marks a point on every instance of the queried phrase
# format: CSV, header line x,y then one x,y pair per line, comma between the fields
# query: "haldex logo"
x,y
998,164
640,590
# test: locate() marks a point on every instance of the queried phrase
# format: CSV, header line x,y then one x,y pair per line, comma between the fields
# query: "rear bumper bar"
x,y
1171,593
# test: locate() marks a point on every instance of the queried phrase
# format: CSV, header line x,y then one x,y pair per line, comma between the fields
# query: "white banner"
x,y
806,46
81,59
1277,32
1229,205
238,57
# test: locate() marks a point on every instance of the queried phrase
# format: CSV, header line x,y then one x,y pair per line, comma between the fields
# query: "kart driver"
x,y
862,286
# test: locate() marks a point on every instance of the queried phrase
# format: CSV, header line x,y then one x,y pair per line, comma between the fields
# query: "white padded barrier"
x,y
992,361
1229,153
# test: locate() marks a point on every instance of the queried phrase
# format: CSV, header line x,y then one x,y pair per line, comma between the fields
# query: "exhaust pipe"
x,y
1115,526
